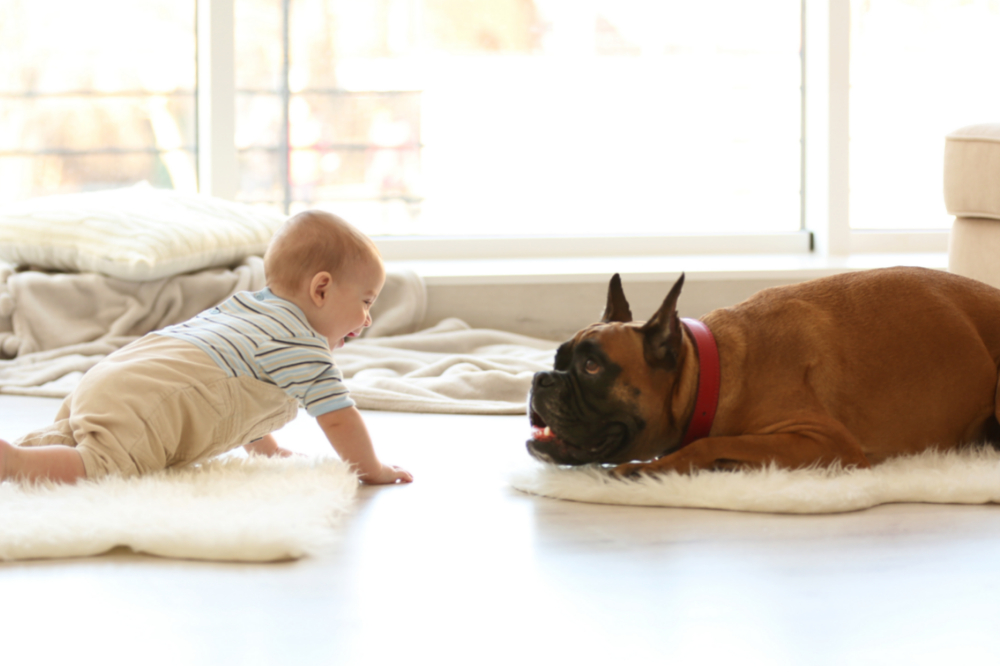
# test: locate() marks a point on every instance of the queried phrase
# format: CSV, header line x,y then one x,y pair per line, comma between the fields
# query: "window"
x,y
919,70
310,130
634,126
508,117
100,107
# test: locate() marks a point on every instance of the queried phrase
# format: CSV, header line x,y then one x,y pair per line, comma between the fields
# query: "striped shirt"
x,y
260,335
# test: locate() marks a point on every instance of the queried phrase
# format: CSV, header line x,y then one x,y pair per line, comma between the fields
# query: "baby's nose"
x,y
368,320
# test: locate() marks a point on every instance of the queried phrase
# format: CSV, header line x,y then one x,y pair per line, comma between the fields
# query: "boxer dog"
x,y
850,370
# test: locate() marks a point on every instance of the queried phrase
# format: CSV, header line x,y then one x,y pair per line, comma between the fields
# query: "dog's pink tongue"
x,y
542,434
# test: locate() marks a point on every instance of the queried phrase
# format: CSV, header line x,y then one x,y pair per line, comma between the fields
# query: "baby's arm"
x,y
267,446
349,436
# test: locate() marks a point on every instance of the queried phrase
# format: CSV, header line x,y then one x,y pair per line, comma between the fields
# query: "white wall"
x,y
556,311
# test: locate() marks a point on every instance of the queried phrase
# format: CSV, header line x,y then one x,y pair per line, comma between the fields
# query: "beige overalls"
x,y
161,402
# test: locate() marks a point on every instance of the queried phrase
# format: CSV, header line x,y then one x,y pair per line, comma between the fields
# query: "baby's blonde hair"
x,y
311,242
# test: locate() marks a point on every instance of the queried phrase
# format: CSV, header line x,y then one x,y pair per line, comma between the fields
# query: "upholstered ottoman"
x,y
972,195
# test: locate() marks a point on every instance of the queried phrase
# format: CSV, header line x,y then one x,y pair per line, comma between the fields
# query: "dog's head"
x,y
615,393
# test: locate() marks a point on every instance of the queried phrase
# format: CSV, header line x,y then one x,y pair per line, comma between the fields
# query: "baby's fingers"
x,y
402,475
388,474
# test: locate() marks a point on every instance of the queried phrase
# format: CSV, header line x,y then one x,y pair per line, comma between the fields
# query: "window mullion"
x,y
284,164
826,59
218,168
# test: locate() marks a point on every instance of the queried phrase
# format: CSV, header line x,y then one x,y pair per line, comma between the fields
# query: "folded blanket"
x,y
448,369
56,372
57,310
64,324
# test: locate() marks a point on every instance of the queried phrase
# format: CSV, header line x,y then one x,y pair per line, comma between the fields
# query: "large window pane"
x,y
545,117
919,69
89,103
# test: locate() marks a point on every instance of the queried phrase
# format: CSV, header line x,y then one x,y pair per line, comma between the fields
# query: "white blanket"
x,y
49,311
448,369
61,325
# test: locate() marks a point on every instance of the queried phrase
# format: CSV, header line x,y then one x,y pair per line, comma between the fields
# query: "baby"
x,y
230,376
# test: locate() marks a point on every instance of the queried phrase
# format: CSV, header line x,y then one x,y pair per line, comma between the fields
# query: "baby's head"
x,y
326,267
312,242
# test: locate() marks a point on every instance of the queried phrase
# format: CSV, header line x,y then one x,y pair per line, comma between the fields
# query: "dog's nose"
x,y
543,380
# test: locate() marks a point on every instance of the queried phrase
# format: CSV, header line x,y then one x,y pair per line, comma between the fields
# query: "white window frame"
x,y
825,165
218,166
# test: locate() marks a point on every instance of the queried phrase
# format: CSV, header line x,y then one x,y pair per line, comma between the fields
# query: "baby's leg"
x,y
62,464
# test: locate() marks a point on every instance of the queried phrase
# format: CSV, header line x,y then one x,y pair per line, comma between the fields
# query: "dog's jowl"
x,y
849,370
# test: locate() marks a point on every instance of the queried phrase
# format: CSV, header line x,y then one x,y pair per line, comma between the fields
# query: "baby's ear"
x,y
319,288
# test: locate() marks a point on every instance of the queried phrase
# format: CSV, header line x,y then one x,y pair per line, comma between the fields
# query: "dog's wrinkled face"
x,y
577,415
604,400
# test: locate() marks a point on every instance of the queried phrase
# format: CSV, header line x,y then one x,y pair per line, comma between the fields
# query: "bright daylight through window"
x,y
515,117
88,105
919,70
498,117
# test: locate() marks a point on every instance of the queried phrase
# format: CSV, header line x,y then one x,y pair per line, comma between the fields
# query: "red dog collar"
x,y
709,379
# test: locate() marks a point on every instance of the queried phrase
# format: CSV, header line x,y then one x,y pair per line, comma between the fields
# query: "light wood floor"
x,y
458,568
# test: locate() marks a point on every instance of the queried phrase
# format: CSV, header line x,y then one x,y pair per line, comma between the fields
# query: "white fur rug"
x,y
971,476
252,509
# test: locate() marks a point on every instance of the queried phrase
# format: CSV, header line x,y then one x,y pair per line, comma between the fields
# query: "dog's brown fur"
x,y
853,369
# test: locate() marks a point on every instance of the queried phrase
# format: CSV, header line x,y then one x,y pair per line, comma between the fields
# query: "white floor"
x,y
458,568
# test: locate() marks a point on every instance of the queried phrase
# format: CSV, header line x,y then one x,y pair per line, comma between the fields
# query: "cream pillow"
x,y
136,233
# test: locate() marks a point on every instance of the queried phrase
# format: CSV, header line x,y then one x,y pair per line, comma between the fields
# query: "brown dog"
x,y
853,369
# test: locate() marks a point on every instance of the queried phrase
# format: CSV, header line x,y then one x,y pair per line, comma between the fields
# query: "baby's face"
x,y
345,313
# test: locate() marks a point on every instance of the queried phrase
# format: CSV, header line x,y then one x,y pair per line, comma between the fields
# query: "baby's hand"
x,y
387,474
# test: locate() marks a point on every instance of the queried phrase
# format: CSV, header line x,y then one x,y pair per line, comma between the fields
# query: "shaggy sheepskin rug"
x,y
253,509
969,476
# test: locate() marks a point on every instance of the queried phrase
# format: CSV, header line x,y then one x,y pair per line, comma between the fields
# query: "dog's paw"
x,y
629,470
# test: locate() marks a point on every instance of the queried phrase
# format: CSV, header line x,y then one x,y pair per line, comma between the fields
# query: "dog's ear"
x,y
662,336
617,308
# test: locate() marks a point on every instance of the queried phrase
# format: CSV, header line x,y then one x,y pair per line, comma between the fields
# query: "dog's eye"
x,y
591,367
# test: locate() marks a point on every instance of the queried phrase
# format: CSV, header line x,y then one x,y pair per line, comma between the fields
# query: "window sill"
x,y
698,268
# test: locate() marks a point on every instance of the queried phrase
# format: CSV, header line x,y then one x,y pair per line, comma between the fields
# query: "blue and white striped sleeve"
x,y
306,372
327,395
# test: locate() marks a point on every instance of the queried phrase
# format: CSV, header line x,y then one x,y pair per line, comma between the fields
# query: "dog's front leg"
x,y
789,450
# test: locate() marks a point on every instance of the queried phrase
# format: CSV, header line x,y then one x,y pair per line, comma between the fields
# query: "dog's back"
x,y
904,358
